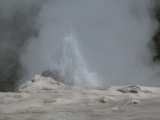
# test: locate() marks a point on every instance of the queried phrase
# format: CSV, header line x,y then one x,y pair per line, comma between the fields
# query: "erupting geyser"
x,y
72,69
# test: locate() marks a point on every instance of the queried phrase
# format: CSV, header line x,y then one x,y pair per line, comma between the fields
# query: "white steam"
x,y
110,45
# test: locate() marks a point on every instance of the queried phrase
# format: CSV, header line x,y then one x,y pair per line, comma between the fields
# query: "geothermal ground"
x,y
43,98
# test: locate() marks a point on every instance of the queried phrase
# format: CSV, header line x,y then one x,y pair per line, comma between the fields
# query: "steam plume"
x,y
108,40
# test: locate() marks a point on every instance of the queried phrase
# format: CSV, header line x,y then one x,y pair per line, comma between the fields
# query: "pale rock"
x,y
40,83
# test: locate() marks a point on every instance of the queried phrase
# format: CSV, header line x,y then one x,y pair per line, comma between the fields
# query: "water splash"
x,y
73,65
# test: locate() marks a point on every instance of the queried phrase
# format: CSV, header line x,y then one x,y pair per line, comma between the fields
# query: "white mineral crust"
x,y
43,98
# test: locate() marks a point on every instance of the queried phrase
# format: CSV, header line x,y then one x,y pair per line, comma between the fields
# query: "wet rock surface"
x,y
43,98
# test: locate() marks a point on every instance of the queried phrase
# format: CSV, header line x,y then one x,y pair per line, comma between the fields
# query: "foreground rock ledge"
x,y
43,98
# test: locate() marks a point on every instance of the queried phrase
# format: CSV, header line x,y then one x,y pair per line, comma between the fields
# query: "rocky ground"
x,y
43,98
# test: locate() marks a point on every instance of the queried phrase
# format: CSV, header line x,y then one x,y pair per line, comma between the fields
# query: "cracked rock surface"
x,y
43,98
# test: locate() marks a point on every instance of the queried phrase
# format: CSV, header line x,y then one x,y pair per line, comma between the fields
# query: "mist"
x,y
90,42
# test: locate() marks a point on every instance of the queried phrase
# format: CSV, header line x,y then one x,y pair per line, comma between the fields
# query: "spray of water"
x,y
73,61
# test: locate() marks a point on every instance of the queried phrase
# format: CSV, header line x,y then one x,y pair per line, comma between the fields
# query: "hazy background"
x,y
91,42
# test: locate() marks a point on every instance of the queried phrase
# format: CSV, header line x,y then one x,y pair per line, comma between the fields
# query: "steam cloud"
x,y
90,42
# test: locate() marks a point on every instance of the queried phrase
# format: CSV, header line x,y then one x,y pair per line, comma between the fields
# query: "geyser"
x,y
72,69
89,42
